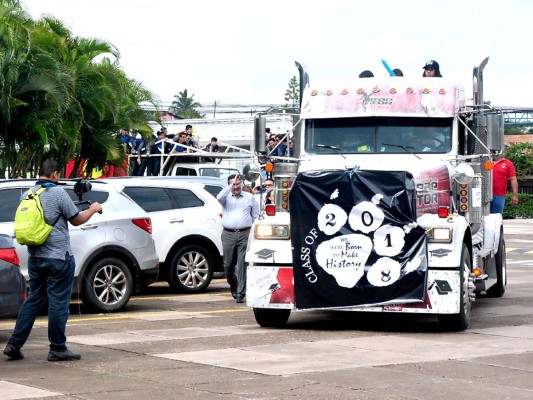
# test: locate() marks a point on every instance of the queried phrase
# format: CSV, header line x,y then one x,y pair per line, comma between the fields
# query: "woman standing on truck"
x,y
432,69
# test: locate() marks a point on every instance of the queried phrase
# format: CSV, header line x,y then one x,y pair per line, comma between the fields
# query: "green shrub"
x,y
524,208
521,154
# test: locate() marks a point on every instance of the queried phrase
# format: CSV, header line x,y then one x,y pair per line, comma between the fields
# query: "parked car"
x,y
12,282
115,251
187,228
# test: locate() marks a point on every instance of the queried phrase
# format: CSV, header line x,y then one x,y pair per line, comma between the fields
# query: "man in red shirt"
x,y
503,169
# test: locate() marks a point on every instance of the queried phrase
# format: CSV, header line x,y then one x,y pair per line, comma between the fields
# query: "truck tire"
x,y
271,318
501,271
461,320
191,269
108,285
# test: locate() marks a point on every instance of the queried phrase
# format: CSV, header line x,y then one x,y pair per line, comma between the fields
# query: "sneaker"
x,y
239,298
66,355
12,352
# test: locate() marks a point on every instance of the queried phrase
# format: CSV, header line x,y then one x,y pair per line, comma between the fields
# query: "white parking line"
x,y
15,391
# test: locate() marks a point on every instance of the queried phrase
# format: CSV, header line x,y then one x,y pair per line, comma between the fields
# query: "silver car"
x,y
115,252
187,228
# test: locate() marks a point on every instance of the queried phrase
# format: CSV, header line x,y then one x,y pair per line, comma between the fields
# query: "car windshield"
x,y
378,135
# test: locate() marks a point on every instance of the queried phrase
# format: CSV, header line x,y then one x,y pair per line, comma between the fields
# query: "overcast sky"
x,y
243,51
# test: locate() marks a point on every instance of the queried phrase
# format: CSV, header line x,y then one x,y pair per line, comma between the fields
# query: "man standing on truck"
x,y
157,147
502,170
239,211
212,147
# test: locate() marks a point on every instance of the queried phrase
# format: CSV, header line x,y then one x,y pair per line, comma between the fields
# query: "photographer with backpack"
x,y
50,266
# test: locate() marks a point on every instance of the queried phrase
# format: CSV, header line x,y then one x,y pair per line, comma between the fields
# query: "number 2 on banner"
x,y
331,218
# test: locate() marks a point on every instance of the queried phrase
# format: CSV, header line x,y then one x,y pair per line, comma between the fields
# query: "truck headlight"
x,y
441,235
272,232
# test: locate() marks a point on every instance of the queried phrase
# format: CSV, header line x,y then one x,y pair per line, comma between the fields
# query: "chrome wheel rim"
x,y
110,284
193,270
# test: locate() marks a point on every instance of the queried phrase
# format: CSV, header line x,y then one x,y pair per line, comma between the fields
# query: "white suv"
x,y
114,251
187,228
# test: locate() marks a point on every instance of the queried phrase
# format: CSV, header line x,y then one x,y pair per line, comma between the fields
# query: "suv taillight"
x,y
144,223
9,255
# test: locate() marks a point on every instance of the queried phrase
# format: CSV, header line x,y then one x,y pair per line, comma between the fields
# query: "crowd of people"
x,y
145,155
278,145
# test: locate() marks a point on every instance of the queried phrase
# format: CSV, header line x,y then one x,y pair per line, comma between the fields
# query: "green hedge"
x,y
524,208
521,154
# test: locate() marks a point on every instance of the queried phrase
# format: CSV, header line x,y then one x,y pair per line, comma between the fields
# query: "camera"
x,y
82,186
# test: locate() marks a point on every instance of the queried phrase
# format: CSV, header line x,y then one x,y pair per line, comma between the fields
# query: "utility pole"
x,y
215,110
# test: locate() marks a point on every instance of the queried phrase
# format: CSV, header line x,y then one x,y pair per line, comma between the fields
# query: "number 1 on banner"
x,y
389,240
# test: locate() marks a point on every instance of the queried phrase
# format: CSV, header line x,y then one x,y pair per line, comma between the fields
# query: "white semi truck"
x,y
385,205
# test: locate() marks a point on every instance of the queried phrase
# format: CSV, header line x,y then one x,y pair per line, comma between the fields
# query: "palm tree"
x,y
32,92
184,106
56,99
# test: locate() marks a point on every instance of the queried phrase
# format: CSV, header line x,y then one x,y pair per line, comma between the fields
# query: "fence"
x,y
525,185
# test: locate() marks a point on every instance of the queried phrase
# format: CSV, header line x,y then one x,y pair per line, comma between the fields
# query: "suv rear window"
x,y
150,198
161,199
213,190
10,202
185,198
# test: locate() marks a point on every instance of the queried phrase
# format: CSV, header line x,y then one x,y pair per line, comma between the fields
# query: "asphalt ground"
x,y
206,346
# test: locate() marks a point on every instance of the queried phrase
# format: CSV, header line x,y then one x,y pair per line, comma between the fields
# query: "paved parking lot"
x,y
206,346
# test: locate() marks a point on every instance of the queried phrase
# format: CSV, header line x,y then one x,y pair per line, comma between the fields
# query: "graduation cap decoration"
x,y
265,253
440,252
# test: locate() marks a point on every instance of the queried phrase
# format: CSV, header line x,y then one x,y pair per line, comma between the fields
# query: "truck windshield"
x,y
378,135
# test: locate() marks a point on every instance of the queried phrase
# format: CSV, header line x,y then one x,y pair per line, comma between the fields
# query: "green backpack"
x,y
30,226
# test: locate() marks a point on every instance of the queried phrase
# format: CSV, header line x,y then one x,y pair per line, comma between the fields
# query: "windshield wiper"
x,y
401,146
334,148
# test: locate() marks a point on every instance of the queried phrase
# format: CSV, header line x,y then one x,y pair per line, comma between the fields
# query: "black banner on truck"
x,y
355,239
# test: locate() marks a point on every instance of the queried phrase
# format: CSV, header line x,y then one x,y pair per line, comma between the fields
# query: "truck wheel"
x,y
501,271
108,285
191,269
461,320
271,318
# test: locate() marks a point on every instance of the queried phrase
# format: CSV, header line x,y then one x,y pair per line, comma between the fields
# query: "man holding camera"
x,y
51,268
239,211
